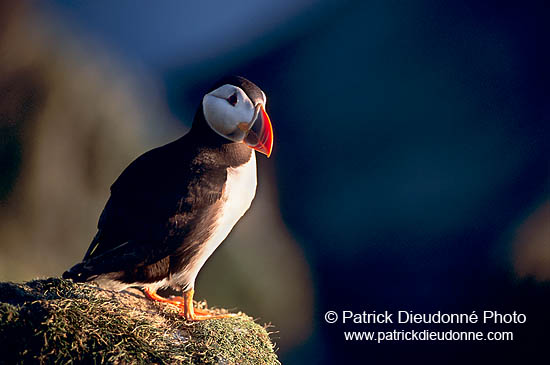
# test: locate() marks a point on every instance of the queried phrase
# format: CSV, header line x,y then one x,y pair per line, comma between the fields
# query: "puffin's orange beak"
x,y
260,136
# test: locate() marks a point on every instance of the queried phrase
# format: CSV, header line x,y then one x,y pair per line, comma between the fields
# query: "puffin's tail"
x,y
79,273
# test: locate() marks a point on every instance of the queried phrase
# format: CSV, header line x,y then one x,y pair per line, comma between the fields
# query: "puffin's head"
x,y
235,109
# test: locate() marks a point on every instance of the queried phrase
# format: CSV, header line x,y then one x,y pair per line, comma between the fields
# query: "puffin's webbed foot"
x,y
195,314
185,304
152,294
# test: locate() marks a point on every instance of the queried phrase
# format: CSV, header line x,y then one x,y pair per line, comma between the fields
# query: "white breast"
x,y
238,194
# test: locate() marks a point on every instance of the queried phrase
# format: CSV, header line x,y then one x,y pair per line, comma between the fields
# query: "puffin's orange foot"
x,y
203,317
185,304
203,314
151,294
201,311
197,314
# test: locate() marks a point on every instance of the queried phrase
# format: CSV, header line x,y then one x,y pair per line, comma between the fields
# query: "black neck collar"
x,y
202,136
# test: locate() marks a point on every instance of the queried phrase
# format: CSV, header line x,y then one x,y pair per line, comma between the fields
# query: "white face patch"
x,y
227,107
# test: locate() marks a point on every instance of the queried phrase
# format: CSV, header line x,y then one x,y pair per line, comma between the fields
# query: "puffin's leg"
x,y
192,314
189,312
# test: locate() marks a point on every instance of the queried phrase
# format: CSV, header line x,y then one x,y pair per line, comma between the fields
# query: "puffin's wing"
x,y
156,197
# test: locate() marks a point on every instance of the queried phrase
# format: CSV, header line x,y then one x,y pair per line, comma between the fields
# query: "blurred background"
x,y
411,165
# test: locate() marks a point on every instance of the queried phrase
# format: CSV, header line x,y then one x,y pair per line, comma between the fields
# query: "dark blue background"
x,y
411,140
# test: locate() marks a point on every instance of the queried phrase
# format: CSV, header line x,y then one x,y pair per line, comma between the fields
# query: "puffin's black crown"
x,y
250,88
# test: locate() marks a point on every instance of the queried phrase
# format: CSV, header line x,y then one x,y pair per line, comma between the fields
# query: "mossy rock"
x,y
58,321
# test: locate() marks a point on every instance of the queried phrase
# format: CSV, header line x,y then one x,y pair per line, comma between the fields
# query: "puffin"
x,y
175,204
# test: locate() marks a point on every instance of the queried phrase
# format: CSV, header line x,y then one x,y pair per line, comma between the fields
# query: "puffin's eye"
x,y
233,99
